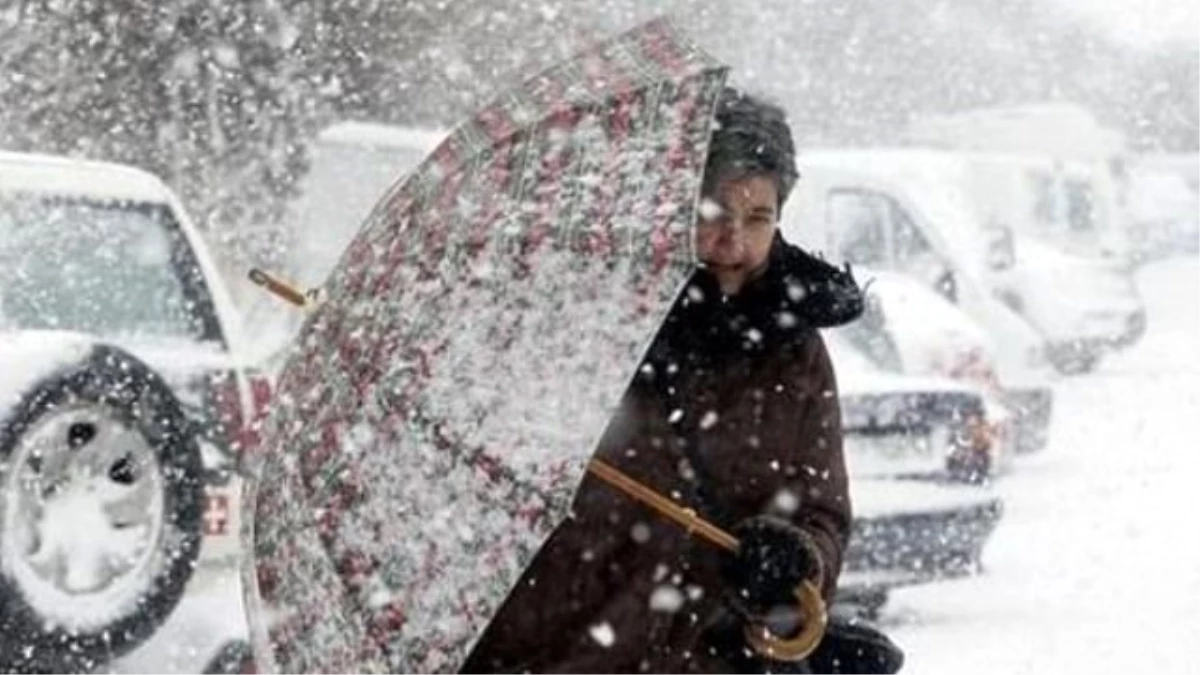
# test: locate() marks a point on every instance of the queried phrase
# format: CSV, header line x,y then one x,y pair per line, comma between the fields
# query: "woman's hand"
x,y
773,558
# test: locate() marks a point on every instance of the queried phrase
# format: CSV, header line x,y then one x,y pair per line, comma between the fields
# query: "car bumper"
x,y
920,542
1119,324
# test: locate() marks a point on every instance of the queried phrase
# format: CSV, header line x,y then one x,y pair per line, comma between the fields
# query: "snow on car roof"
x,y
383,135
45,174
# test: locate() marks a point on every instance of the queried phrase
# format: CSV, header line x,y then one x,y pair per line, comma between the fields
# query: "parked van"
x,y
913,211
849,207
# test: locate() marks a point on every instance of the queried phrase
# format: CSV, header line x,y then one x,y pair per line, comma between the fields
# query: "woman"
x,y
734,413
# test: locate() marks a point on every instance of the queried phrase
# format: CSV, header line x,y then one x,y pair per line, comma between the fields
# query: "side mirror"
x,y
947,285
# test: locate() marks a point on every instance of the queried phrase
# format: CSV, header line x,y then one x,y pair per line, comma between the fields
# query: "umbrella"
x,y
440,405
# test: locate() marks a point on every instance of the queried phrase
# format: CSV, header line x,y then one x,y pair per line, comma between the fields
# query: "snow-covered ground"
x,y
1095,567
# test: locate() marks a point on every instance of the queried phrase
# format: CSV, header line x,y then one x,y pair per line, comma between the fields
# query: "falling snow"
x,y
1015,184
603,634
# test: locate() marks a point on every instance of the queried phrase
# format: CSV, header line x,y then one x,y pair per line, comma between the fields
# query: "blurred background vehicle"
x,y
1163,207
909,211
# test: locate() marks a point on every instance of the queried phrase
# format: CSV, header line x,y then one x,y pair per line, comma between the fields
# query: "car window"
x,y
105,268
1081,206
871,335
911,244
858,219
1044,203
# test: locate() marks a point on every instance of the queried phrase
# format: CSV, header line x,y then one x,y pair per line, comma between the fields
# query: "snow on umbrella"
x,y
438,410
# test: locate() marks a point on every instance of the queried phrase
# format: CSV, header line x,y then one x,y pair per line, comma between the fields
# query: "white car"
x,y
122,410
1105,312
918,454
913,329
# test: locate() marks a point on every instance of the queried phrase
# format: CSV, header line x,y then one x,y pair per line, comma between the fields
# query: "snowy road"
x,y
1096,566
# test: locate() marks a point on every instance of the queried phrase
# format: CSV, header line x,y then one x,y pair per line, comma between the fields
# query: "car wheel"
x,y
100,514
233,658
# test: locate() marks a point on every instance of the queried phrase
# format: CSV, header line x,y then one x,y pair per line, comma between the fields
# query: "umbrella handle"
x,y
760,638
281,288
684,517
797,648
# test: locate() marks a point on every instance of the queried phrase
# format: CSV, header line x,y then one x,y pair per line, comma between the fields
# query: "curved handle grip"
x,y
797,648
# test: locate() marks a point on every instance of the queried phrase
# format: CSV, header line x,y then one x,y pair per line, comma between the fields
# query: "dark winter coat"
x,y
734,413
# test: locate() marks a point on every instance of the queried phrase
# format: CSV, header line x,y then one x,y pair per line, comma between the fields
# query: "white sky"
x,y
1146,23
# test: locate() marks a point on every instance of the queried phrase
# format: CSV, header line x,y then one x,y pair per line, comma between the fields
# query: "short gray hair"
x,y
751,136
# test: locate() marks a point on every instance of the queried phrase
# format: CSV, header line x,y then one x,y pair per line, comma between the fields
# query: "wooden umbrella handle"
x,y
812,605
796,648
279,287
684,517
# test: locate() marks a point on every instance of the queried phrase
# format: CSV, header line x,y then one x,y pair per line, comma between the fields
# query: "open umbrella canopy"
x,y
438,409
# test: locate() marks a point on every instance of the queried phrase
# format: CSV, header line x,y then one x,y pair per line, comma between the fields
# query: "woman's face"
x,y
736,227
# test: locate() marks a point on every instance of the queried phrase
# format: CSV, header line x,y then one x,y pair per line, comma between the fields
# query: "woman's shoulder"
x,y
823,295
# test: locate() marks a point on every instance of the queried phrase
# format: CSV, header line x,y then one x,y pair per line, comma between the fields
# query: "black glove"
x,y
773,558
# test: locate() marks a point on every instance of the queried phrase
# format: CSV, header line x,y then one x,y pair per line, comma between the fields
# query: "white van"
x,y
1072,205
1079,166
913,211
851,208
1073,237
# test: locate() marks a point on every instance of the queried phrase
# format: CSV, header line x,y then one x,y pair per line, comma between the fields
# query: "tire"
x,y
233,658
115,419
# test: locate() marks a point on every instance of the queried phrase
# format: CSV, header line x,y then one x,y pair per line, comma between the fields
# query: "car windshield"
x,y
114,269
871,338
